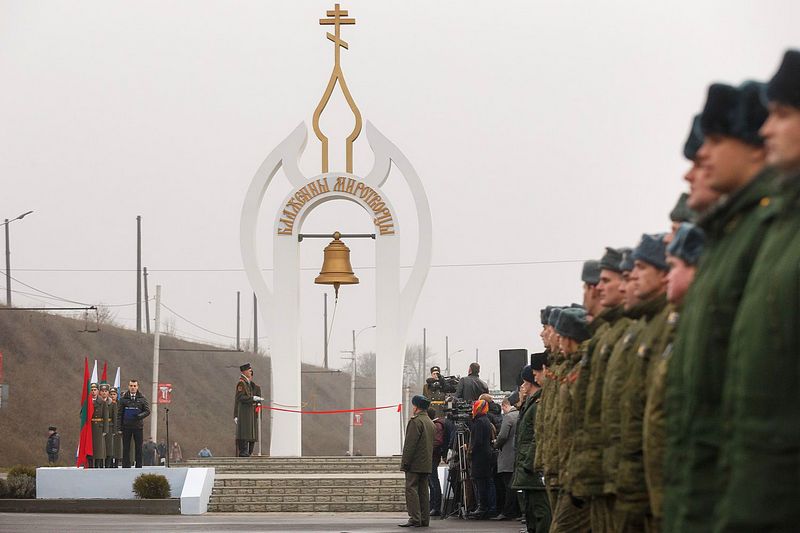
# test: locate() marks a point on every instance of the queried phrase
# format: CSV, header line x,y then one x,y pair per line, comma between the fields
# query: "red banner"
x,y
165,393
358,419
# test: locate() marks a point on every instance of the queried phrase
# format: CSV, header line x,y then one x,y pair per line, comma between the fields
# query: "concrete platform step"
x,y
297,507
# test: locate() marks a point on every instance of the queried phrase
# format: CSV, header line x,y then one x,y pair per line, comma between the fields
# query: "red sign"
x,y
165,393
358,419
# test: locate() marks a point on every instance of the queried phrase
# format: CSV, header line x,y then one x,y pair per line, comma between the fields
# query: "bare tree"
x,y
105,315
365,365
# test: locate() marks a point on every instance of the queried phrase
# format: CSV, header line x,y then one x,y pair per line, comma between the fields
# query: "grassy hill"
x,y
43,365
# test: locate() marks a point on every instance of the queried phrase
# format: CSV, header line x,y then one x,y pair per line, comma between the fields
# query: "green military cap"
x,y
611,259
552,318
784,87
687,243
104,386
626,263
572,324
591,272
737,112
681,211
652,250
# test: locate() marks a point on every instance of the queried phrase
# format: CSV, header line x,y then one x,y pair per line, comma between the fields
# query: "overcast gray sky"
x,y
542,132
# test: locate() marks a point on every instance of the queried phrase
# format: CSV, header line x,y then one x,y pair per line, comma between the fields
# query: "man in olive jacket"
x,y
417,463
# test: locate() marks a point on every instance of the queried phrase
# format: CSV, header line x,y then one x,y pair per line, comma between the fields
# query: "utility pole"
x,y
146,304
238,317
424,355
156,342
139,273
476,355
255,338
447,353
352,393
8,268
325,340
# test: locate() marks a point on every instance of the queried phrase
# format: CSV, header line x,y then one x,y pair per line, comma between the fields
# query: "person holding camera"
x,y
434,390
470,387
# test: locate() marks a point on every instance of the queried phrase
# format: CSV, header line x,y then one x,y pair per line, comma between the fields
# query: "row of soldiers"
x,y
106,429
671,398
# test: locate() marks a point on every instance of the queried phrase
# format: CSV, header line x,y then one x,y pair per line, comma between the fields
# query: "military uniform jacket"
x,y
116,430
418,445
734,233
548,437
616,373
631,487
100,427
565,428
586,463
244,410
538,460
112,429
525,477
761,399
654,433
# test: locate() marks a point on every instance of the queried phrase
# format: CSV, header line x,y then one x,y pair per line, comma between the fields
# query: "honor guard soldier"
x,y
244,413
100,423
114,443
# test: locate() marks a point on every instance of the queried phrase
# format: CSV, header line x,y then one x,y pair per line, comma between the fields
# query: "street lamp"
x,y
353,383
8,256
447,354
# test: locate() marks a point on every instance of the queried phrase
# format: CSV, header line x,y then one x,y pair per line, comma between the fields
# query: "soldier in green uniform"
x,y
733,154
545,411
537,505
570,515
116,428
587,459
682,256
648,281
701,196
112,428
761,408
244,413
100,427
417,463
616,372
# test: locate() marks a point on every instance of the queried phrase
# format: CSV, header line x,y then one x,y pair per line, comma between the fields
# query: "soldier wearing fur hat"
x,y
761,399
701,197
100,427
417,462
734,156
683,253
526,477
244,412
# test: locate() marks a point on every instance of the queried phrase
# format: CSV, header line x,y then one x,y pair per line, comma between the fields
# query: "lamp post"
x,y
353,383
8,256
448,354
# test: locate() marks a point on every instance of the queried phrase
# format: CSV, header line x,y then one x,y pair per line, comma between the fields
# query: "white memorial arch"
x,y
279,302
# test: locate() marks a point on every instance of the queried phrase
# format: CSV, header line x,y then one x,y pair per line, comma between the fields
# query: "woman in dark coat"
x,y
480,446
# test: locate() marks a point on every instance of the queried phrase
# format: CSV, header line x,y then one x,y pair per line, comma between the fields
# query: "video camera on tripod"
x,y
444,385
457,409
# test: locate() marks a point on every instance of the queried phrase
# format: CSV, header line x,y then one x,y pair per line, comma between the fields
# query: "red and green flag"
x,y
85,448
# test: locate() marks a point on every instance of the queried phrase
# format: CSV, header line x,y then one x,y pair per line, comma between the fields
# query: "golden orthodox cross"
x,y
337,22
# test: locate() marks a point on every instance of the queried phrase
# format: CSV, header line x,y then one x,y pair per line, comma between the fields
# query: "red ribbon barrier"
x,y
333,412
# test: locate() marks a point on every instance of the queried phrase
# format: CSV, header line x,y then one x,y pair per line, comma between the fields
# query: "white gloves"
x,y
258,399
235,420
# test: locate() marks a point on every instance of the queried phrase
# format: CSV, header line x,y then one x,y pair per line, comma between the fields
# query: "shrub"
x,y
151,486
22,470
3,488
20,486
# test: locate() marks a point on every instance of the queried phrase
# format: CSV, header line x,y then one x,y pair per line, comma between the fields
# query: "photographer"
x,y
470,387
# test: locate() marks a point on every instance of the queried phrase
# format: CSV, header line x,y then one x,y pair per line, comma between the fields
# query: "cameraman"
x,y
470,387
434,390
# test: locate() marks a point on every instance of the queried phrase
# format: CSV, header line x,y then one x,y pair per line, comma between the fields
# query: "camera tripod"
x,y
456,487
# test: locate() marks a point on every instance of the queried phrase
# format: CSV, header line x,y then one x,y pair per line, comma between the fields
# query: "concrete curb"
x,y
93,506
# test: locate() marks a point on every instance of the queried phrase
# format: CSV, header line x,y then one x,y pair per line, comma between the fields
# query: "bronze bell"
x,y
336,267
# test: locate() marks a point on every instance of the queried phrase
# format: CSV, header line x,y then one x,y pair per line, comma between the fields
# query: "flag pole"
x,y
156,341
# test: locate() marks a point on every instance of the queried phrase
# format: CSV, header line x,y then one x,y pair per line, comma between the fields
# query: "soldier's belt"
x,y
438,402
98,419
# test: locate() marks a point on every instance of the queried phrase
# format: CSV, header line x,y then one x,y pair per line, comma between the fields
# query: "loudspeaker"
x,y
511,364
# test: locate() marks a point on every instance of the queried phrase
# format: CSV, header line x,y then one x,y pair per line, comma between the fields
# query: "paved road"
x,y
239,522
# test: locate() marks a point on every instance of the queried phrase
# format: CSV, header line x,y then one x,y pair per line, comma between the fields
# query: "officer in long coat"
x,y
761,399
244,413
101,419
733,152
417,463
116,429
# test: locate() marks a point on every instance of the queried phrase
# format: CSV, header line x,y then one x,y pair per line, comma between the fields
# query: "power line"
x,y
370,267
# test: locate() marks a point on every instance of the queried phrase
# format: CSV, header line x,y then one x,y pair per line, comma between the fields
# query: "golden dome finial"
x,y
338,17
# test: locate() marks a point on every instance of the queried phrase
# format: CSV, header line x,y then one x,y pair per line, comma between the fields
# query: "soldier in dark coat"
x,y
417,464
100,427
244,413
526,477
53,445
761,398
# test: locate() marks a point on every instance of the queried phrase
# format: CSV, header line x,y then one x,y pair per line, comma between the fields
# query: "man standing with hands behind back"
x,y
417,463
